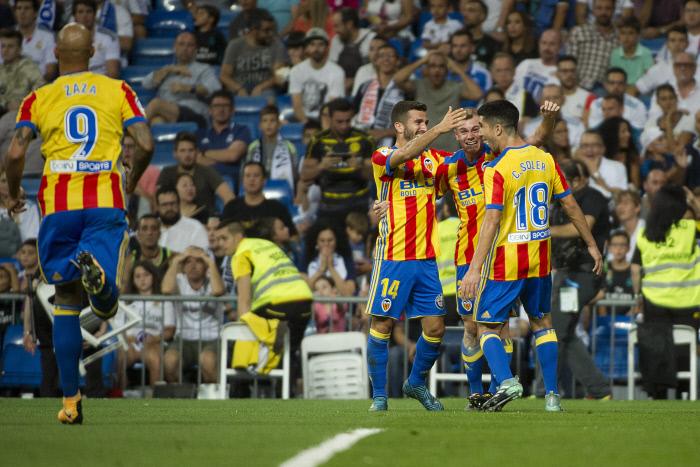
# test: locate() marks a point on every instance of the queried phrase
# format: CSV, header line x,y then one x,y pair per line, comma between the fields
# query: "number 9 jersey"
x,y
81,118
520,183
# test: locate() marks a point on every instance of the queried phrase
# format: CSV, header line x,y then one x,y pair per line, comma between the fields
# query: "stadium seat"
x,y
401,45
168,131
153,51
135,74
250,104
19,367
281,191
334,366
617,368
168,5
654,45
163,154
239,331
161,23
284,103
292,131
682,335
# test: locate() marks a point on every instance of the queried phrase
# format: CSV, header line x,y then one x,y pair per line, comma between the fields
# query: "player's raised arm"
x,y
142,157
573,211
14,166
549,111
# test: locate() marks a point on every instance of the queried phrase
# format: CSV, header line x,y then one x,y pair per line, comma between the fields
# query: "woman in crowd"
x,y
619,146
187,191
520,39
327,254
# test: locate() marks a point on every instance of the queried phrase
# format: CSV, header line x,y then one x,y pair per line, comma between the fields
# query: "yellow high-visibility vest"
x,y
447,229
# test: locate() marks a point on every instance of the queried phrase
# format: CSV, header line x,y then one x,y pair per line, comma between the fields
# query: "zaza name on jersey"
x,y
80,89
529,165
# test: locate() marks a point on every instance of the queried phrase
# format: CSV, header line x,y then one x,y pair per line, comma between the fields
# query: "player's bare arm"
x,y
15,167
489,227
573,211
549,111
144,150
451,120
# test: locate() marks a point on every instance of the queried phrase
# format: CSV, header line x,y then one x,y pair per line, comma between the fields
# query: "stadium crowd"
x,y
266,113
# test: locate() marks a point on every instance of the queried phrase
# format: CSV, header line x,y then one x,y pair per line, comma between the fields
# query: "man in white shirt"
x,y
123,26
316,80
533,73
607,176
349,47
575,97
685,83
634,110
106,58
177,232
662,71
38,43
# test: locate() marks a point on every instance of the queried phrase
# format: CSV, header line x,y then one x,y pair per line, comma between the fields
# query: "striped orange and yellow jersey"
x,y
466,182
521,182
81,118
409,230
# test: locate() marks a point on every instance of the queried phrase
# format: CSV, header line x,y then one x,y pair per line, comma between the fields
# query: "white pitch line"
x,y
321,453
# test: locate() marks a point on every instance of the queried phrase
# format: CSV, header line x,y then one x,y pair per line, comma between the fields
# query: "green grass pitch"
x,y
267,432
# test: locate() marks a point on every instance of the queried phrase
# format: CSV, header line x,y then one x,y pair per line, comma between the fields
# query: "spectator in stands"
x,y
391,19
339,160
139,11
313,14
357,231
253,205
435,91
106,58
187,192
631,56
281,11
437,31
210,42
250,61
6,18
658,154
27,221
327,254
240,24
38,43
224,142
628,207
677,125
376,98
145,245
693,151
316,80
277,155
143,199
691,21
177,232
619,146
116,18
349,48
575,97
552,92
461,50
633,110
368,71
592,44
474,13
328,317
144,339
18,75
194,274
181,86
503,72
520,41
557,143
533,73
551,14
208,181
607,176
28,258
685,84
662,71
657,17
654,180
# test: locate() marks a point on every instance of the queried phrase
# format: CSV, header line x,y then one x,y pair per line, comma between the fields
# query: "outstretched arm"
x,y
144,150
549,112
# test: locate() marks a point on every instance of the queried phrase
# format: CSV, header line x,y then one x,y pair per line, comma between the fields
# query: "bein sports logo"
x,y
520,237
69,166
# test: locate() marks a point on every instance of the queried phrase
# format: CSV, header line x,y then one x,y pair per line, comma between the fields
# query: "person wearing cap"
x,y
316,80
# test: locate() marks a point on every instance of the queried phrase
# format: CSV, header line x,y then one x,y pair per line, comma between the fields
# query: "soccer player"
x,y
514,249
405,275
83,233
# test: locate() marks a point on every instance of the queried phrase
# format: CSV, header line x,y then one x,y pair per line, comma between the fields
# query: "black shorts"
x,y
185,114
289,311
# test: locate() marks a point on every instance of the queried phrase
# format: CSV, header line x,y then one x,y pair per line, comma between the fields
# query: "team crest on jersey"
x,y
439,302
386,305
467,305
428,163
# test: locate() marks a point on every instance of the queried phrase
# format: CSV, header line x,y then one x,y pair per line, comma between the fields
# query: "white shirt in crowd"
x,y
135,7
125,26
184,233
365,73
531,75
316,86
28,220
338,265
364,37
620,6
440,33
106,45
573,125
197,319
613,173
634,112
156,317
690,103
575,104
39,47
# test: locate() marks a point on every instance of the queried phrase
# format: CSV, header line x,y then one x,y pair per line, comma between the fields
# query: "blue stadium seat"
x,y
167,131
226,16
602,350
19,367
163,154
284,103
250,104
281,191
135,74
292,131
31,185
654,45
168,5
416,50
144,95
168,23
153,51
401,45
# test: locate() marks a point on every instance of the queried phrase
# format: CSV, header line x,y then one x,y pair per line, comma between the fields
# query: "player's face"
x,y
10,49
416,124
143,280
253,180
341,122
25,14
148,232
461,48
487,134
468,136
85,16
186,154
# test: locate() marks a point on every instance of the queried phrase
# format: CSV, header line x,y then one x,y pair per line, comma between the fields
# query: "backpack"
x,y
350,58
10,238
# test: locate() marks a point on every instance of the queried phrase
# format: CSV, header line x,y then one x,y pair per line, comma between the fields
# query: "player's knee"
x,y
489,327
469,326
541,323
383,325
434,328
69,293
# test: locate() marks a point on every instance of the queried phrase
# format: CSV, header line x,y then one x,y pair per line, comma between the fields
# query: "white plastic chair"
x,y
681,335
240,331
332,367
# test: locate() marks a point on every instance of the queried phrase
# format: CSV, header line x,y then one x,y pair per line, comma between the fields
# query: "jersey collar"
x,y
503,153
462,155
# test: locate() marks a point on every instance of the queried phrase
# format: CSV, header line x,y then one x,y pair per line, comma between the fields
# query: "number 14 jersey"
x,y
520,183
81,118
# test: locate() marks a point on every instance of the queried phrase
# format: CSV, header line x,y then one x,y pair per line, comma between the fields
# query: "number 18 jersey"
x,y
81,118
521,182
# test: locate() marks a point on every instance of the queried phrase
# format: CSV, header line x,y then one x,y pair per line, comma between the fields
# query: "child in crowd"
x,y
329,317
631,56
28,258
437,31
620,273
211,44
277,155
357,228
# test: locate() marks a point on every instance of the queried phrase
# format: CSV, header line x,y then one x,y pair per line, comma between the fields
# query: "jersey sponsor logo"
x,y
411,187
536,235
70,166
439,302
386,305
468,197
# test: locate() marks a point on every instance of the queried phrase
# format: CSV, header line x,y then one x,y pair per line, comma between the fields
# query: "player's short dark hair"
x,y
166,189
630,22
11,34
150,215
401,109
269,110
350,15
463,32
222,93
500,112
679,28
35,3
185,136
339,104
256,164
211,11
567,58
615,69
88,3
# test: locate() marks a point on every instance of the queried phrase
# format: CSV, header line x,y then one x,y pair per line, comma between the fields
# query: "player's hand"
x,y
452,120
29,343
597,258
470,284
549,109
16,205
380,208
